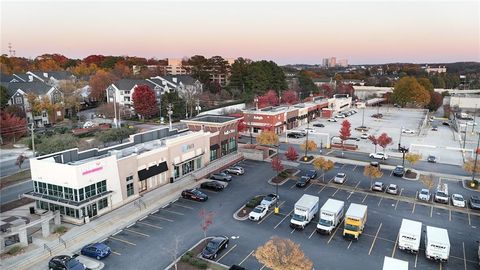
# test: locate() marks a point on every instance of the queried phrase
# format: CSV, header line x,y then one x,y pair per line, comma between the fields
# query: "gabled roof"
x,y
185,79
60,75
6,78
128,84
36,87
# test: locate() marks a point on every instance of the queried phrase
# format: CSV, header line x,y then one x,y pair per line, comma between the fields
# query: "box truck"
x,y
304,211
355,220
437,244
331,214
394,264
410,235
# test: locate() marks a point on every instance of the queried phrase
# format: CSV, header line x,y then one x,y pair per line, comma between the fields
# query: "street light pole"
x,y
474,117
465,136
476,157
400,140
33,138
363,116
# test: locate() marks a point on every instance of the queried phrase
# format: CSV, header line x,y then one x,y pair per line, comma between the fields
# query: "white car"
x,y
340,116
458,200
340,178
258,213
88,124
364,136
408,131
269,200
392,189
424,195
332,120
378,155
309,130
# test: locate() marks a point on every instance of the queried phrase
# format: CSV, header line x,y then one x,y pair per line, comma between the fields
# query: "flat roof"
x,y
211,118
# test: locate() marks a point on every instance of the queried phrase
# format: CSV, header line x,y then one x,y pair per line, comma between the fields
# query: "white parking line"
x,y
321,189
282,220
174,212
366,195
262,267
148,224
416,258
225,254
249,254
413,209
374,239
314,230
464,257
308,186
116,253
354,168
292,231
396,204
449,214
431,211
184,206
380,201
334,232
395,246
162,218
139,233
350,244
469,222
293,185
123,241
333,195
391,173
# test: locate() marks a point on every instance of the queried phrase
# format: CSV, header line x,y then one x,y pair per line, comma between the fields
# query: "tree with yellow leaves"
x,y
267,137
323,164
282,254
372,172
412,158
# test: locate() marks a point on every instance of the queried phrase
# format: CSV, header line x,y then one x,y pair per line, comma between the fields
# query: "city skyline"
x,y
372,32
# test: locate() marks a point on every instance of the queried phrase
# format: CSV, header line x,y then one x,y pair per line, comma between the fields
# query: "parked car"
x,y
88,124
377,115
424,195
340,178
96,250
214,246
212,185
269,200
378,155
432,159
318,125
309,130
408,131
65,262
445,123
221,177
340,115
434,128
303,181
392,189
354,139
458,200
471,123
235,170
332,120
399,171
364,136
311,174
194,194
378,186
258,212
295,135
375,164
475,202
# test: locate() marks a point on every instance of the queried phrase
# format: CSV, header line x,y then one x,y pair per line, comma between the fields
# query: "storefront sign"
x,y
258,117
97,168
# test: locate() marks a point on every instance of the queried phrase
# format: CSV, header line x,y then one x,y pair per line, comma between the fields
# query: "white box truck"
x,y
355,220
304,211
331,214
437,244
394,264
410,235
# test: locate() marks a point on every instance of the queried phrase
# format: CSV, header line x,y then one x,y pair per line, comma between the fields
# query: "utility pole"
x,y
306,140
476,157
363,116
32,129
474,117
170,112
465,136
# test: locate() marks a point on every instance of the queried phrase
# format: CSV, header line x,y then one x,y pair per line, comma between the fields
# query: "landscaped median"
x,y
244,211
192,260
283,177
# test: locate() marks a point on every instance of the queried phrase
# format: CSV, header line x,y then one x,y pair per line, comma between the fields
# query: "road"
x,y
13,192
8,167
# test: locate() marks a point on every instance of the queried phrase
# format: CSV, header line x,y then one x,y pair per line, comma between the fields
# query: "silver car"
x,y
269,200
340,178
235,170
424,195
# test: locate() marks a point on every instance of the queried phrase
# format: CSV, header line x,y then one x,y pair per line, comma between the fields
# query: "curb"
x,y
179,257
284,181
235,215
465,186
412,179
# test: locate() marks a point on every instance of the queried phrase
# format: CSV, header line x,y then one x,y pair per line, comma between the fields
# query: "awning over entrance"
x,y
152,171
63,202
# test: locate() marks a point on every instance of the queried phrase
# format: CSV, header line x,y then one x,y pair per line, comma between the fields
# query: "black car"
x,y
375,164
318,125
194,194
377,115
214,246
63,262
432,159
295,135
212,185
399,171
303,181
311,174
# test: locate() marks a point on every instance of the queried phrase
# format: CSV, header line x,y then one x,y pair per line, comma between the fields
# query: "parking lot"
x,y
155,237
443,143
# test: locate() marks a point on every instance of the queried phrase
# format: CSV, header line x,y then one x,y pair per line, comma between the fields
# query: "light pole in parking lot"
x,y
465,136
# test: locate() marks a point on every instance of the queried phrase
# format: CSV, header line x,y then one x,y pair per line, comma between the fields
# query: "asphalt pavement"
x,y
13,192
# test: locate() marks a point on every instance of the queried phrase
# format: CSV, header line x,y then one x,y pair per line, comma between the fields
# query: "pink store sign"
x,y
92,170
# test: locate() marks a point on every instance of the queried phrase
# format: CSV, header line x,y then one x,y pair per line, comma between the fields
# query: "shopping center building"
x,y
86,184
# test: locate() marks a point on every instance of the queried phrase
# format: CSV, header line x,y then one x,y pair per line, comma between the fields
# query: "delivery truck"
x,y
437,244
355,220
410,235
331,214
394,264
304,211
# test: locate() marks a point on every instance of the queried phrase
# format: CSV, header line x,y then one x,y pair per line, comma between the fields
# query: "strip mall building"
x,y
93,182
283,118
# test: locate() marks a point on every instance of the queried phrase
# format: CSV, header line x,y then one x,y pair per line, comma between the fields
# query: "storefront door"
x,y
92,210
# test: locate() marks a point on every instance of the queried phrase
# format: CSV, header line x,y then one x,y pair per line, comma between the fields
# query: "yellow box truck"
x,y
355,220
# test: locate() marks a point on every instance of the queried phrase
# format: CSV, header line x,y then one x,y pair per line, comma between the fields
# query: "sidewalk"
x,y
99,228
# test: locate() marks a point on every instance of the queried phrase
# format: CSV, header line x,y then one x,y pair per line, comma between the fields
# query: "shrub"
x,y
60,230
283,174
254,201
14,250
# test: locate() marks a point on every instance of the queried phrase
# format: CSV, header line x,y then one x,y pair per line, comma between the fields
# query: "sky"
x,y
287,32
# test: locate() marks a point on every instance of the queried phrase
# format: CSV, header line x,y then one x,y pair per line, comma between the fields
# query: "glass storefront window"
x,y
102,203
129,189
199,163
213,155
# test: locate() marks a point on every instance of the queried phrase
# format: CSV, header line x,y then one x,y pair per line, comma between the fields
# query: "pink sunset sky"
x,y
287,32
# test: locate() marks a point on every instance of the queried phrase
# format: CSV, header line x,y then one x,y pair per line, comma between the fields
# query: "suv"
x,y
441,194
378,155
399,171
